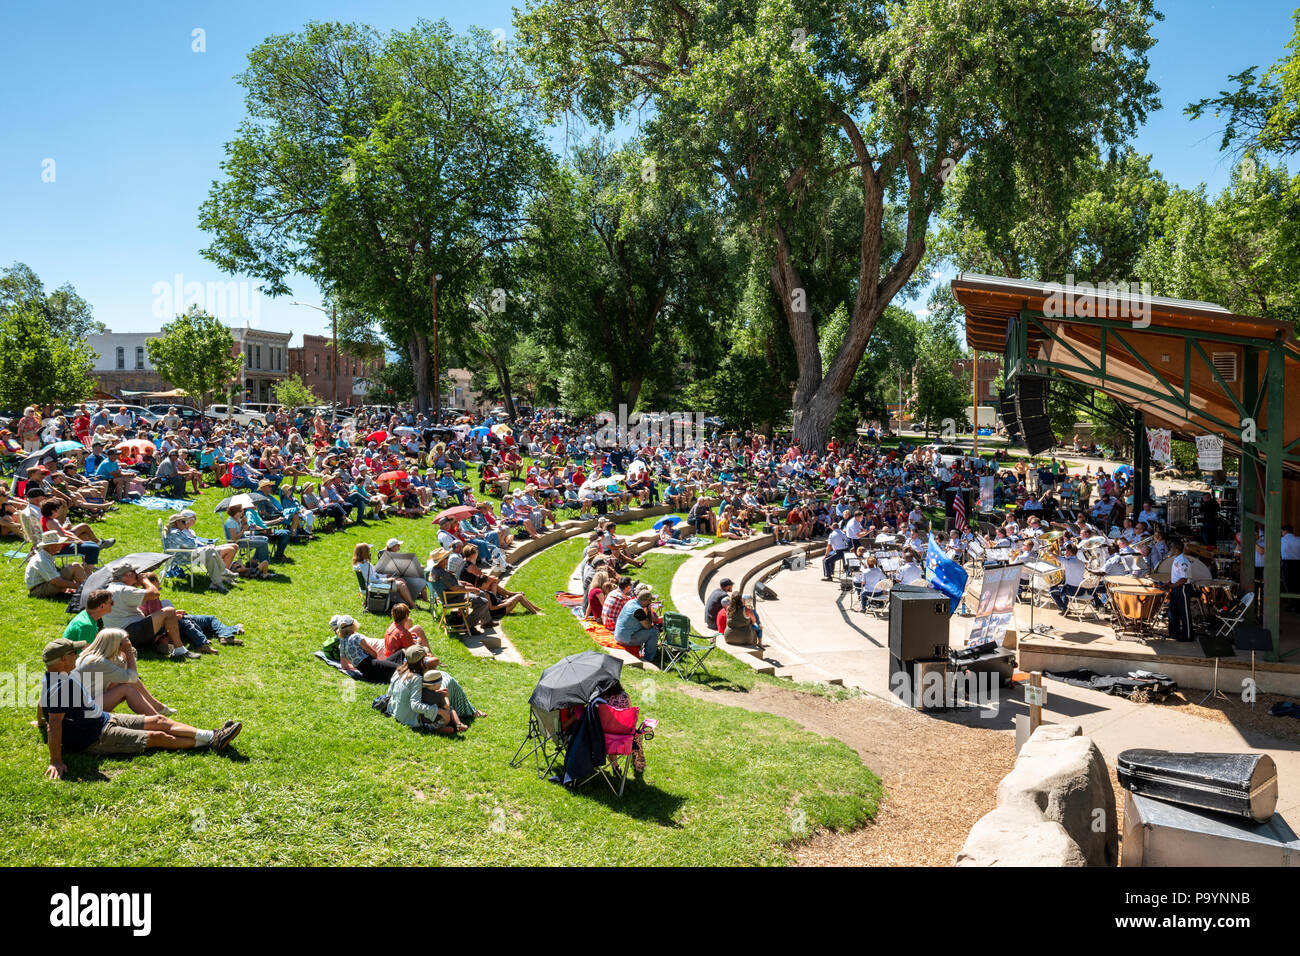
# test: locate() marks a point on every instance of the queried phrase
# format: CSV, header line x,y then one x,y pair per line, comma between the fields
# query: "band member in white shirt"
x,y
1180,614
870,581
910,571
1075,572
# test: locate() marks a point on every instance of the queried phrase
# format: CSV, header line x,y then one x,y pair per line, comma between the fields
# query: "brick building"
x,y
990,369
122,363
312,362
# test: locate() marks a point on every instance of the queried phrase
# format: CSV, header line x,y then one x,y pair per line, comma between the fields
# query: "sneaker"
x,y
168,711
107,542
179,654
190,655
220,587
229,731
207,649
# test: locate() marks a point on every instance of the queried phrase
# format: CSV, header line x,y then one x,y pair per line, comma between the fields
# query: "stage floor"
x,y
1094,644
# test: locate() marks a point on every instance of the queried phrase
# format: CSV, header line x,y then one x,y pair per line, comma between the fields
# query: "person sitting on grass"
x,y
197,630
159,629
615,600
43,577
406,703
638,626
360,656
108,668
401,633
74,721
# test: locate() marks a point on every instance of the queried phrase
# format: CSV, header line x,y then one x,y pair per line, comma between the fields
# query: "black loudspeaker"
x,y
1031,409
918,626
765,592
1007,406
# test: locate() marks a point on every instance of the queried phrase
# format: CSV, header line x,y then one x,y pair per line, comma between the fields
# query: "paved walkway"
x,y
816,622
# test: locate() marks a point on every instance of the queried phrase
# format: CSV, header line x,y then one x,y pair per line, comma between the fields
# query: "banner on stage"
x,y
1209,452
986,493
997,606
1161,442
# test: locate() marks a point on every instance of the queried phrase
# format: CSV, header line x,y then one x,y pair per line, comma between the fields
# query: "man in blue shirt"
x,y
635,625
118,478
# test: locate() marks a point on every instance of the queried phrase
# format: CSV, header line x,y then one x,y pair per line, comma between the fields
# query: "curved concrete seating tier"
x,y
523,550
746,562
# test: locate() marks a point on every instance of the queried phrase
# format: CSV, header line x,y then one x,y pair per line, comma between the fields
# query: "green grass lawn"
x,y
317,777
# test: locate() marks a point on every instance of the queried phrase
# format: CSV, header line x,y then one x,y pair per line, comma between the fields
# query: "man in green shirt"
x,y
86,625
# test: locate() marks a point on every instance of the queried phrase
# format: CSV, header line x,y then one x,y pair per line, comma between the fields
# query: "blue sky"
x,y
134,121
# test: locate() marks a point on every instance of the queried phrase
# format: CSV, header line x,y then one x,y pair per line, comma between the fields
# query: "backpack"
x,y
330,647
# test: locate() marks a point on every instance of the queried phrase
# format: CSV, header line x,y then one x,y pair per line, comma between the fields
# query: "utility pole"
x,y
437,392
975,402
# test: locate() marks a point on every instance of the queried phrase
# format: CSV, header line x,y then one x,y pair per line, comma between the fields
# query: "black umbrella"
x,y
102,577
576,680
249,499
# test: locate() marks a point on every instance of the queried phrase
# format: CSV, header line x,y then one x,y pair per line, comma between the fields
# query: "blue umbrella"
x,y
60,447
671,519
476,432
1123,469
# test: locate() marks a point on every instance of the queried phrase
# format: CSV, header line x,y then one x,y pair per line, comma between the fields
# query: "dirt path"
x,y
940,774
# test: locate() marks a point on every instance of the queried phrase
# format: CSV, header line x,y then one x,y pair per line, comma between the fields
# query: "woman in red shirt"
x,y
401,634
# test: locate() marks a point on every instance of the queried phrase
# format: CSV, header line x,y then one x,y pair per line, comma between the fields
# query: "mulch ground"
x,y
940,774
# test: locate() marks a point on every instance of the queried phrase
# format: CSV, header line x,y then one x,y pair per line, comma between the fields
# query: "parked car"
x,y
236,412
948,454
187,415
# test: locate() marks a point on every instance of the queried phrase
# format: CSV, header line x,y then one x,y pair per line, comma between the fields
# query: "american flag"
x,y
959,507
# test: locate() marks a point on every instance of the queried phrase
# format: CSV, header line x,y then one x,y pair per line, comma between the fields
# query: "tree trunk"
x,y
508,398
419,351
634,391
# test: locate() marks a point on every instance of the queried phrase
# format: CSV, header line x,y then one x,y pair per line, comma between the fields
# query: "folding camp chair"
x,y
32,534
547,740
183,559
1228,623
451,608
681,653
622,736
377,596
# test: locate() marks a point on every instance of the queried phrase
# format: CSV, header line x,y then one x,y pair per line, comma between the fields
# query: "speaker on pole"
x,y
1007,406
1031,409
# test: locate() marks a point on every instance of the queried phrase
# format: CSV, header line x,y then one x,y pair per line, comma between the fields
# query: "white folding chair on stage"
x,y
1229,622
1082,602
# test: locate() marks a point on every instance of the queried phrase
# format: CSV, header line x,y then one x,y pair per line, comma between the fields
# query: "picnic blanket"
x,y
320,655
599,633
159,504
688,545
605,637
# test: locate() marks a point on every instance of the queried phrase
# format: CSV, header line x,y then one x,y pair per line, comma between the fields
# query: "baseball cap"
x,y
59,647
414,653
392,543
122,570
341,620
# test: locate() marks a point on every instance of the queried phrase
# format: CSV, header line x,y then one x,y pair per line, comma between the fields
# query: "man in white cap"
x,y
43,577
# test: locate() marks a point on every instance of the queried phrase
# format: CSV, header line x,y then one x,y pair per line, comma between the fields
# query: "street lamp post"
x,y
334,376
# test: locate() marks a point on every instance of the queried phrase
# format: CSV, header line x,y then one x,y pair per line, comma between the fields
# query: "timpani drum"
x,y
1135,607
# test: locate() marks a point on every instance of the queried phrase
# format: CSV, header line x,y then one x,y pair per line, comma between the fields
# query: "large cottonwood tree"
x,y
775,101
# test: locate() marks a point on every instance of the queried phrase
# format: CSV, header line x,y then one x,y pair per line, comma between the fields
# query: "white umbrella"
x,y
600,481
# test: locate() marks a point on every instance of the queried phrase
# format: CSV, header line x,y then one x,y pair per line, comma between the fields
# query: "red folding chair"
x,y
623,736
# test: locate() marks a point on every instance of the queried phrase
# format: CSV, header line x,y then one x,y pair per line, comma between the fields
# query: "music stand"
x,y
1216,647
1248,637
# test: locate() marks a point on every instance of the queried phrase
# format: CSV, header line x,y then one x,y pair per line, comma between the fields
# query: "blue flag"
x,y
944,574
